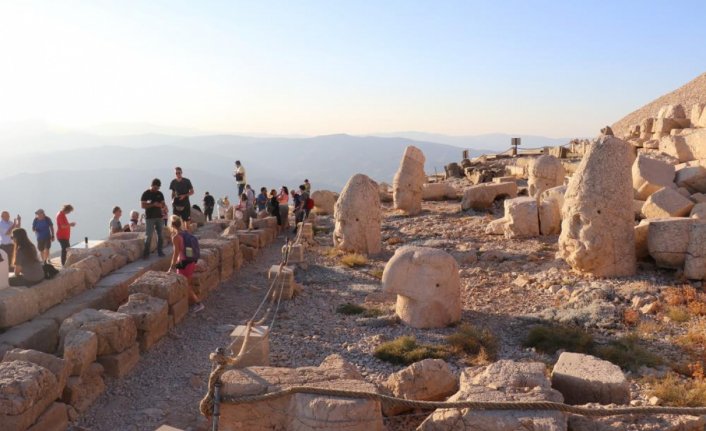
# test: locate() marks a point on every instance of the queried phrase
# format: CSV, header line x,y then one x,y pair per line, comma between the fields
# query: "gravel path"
x,y
169,381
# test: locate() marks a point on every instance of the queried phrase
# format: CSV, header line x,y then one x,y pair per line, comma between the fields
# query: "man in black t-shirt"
x,y
208,204
152,201
181,190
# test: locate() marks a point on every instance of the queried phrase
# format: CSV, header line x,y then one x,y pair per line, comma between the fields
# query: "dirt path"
x,y
170,380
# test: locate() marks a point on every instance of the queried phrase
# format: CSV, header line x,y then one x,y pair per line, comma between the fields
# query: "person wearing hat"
x,y
43,228
239,175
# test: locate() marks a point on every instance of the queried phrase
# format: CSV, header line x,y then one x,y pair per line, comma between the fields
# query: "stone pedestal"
x,y
286,279
258,350
307,231
296,253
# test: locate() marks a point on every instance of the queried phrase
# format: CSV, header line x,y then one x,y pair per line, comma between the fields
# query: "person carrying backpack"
x,y
186,253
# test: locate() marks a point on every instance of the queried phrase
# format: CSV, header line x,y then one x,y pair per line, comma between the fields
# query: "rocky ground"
x,y
508,286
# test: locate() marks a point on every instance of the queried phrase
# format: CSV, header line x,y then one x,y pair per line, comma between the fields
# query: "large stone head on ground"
x,y
545,172
408,182
597,234
358,217
427,285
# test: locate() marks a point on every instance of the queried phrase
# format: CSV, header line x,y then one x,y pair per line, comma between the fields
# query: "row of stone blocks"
x,y
102,342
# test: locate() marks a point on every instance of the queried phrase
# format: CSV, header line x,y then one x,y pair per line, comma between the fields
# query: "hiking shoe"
x,y
197,307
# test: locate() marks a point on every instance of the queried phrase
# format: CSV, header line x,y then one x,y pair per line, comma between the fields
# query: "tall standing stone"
x,y
597,232
408,182
358,217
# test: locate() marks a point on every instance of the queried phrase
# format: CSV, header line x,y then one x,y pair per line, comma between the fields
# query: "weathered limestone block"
x,y
358,217
641,231
110,258
698,211
306,232
177,312
58,366
119,364
299,411
586,379
130,247
695,262
82,391
550,203
296,253
91,268
55,418
209,261
438,192
17,305
496,227
151,316
686,146
427,380
502,381
597,233
675,111
324,201
249,253
285,281
666,203
408,181
116,331
668,241
249,238
427,285
692,177
26,390
67,283
482,196
650,175
80,349
522,218
169,286
226,255
696,112
646,125
257,352
384,192
545,172
205,282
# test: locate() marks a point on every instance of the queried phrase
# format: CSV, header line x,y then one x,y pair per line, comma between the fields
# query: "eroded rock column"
x,y
408,182
358,217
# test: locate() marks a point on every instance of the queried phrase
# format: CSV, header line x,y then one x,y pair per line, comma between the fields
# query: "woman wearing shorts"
x,y
181,264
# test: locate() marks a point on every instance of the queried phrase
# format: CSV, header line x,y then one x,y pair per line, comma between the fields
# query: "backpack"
x,y
310,204
49,271
191,247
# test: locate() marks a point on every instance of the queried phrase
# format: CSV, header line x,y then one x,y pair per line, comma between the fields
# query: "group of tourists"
x,y
28,261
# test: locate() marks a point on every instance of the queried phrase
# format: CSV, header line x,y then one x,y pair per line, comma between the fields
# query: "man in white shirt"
x,y
239,175
6,227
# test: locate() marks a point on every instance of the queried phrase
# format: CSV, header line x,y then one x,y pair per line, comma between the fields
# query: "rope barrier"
x,y
474,405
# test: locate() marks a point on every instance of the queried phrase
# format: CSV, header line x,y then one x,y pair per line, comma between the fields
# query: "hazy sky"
x,y
555,68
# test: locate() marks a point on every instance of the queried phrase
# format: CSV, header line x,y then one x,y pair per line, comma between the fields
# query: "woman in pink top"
x,y
283,199
181,264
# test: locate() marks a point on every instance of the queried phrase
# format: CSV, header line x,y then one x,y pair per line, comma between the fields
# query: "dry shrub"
x,y
377,273
695,337
405,350
674,296
697,308
352,260
648,329
678,314
627,353
677,393
394,240
550,338
631,317
479,343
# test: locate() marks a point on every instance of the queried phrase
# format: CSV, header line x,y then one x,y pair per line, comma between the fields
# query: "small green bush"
x,y
354,259
550,338
350,309
405,350
473,341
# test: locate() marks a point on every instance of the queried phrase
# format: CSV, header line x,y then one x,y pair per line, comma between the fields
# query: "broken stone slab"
x,y
82,391
502,381
426,380
666,202
258,348
177,312
131,248
586,379
249,253
668,241
522,218
67,283
698,211
115,331
120,364
695,262
692,177
17,305
427,285
324,201
686,146
151,317
650,175
55,418
168,286
545,172
26,391
550,203
299,411
205,282
38,334
249,238
209,261
79,350
58,366
482,196
91,268
296,253
438,192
